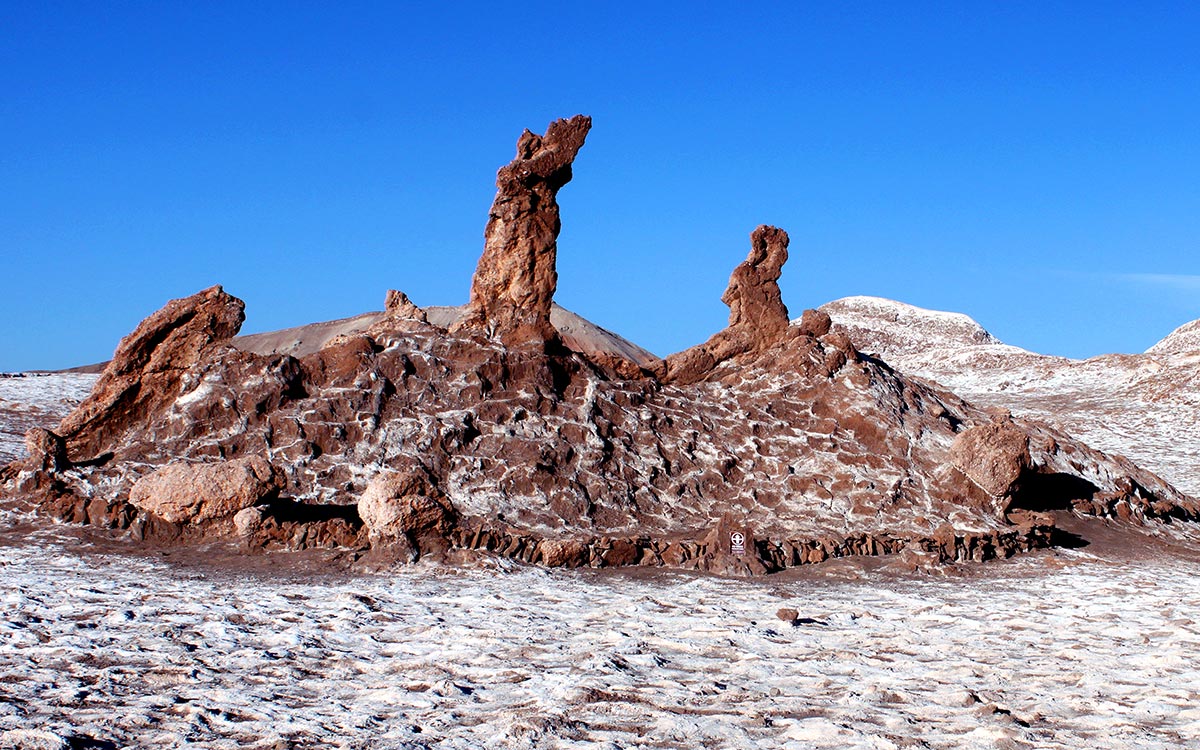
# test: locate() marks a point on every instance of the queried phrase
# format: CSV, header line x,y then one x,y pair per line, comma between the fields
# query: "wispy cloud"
x,y
1181,281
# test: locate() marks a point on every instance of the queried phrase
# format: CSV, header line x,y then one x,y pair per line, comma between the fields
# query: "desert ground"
x,y
1064,649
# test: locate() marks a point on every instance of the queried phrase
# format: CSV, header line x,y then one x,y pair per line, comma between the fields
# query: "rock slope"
x,y
1144,406
770,445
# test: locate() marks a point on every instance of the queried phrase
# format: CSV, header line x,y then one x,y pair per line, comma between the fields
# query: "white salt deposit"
x,y
36,400
1065,650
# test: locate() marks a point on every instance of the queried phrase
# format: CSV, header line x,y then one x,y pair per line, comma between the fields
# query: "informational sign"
x,y
737,543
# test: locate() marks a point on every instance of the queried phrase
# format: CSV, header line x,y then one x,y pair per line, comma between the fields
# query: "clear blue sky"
x,y
1037,169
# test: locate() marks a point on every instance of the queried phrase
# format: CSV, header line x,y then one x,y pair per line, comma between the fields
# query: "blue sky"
x,y
1036,167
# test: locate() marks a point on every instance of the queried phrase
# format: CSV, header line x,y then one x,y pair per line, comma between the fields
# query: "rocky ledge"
x,y
772,444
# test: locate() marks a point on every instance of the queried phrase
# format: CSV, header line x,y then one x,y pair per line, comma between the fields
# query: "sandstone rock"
x,y
755,302
196,493
247,521
399,305
401,503
993,456
558,553
758,319
788,615
144,374
815,323
47,451
515,281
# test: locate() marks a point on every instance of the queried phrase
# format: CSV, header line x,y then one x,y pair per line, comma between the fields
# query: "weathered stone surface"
x,y
47,451
400,503
560,553
515,281
248,521
758,319
815,323
398,305
195,493
993,456
755,302
145,372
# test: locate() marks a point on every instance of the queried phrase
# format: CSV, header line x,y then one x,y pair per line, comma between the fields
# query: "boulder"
x,y
815,323
560,553
403,503
47,450
196,493
993,456
515,280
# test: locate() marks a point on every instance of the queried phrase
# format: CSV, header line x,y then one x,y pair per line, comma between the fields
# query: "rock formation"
x,y
145,372
515,281
398,305
770,445
758,319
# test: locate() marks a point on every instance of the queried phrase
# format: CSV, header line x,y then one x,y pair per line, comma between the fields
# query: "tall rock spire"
x,y
515,280
758,319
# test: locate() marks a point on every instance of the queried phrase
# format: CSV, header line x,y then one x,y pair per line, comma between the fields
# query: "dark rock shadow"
x,y
1043,493
1067,539
287,510
80,742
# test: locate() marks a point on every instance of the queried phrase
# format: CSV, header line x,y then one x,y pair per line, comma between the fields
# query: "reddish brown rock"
x,y
755,302
196,493
993,456
145,372
47,451
515,281
815,323
758,319
403,503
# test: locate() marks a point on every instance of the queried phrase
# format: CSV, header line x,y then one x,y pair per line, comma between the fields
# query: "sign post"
x,y
737,543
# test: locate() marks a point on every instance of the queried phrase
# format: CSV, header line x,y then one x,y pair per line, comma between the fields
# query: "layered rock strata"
x,y
770,445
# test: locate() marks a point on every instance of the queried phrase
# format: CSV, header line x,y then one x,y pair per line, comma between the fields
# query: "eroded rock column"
x,y
758,319
515,280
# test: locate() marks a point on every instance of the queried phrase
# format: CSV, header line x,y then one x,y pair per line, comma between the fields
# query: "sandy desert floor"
x,y
1068,649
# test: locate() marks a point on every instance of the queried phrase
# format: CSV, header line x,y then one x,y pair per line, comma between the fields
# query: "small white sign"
x,y
737,543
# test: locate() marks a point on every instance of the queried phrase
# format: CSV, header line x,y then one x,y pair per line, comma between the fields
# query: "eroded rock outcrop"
x,y
398,305
145,372
770,445
515,281
758,319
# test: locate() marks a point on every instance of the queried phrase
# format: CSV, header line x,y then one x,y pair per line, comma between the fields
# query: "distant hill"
x,y
1144,406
